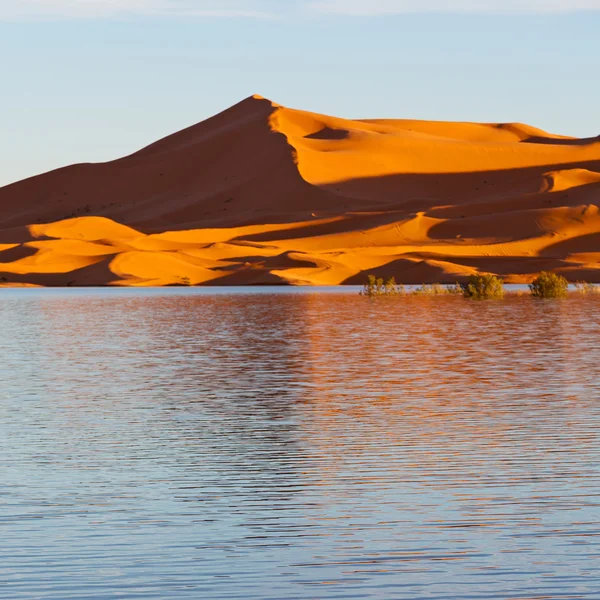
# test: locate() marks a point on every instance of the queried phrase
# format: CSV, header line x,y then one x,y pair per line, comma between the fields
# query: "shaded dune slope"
x,y
262,194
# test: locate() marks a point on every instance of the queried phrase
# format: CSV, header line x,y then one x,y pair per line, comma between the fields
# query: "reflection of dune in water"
x,y
262,194
440,391
194,357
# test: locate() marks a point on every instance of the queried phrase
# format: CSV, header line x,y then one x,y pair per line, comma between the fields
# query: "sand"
x,y
263,194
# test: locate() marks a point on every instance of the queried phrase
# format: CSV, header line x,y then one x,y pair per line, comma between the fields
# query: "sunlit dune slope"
x,y
263,194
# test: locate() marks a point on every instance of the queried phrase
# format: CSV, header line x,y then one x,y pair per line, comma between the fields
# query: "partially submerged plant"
x,y
373,287
376,286
483,287
584,288
392,288
435,289
455,289
549,285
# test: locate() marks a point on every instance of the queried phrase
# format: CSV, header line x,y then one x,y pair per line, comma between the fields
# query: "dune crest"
x,y
264,194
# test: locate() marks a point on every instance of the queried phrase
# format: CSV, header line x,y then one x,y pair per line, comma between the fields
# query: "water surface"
x,y
280,443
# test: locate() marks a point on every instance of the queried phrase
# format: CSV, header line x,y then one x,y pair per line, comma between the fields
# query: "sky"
x,y
94,80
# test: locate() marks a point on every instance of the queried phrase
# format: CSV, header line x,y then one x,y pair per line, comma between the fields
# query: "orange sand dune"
x,y
263,194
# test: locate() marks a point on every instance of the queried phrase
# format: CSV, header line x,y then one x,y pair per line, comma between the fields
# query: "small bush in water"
x,y
549,285
483,287
376,286
392,288
585,288
435,289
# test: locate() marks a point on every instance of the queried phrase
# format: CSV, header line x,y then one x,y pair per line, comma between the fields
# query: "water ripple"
x,y
298,445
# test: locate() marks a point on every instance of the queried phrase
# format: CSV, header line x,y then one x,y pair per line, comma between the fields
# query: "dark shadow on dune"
x,y
409,272
281,261
16,253
488,228
16,235
422,191
349,222
501,265
561,142
98,274
247,277
577,273
256,270
327,133
483,206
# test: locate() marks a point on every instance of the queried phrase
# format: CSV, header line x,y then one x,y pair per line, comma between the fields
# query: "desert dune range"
x,y
263,194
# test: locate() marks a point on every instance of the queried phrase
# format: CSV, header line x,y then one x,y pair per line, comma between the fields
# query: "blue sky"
x,y
92,80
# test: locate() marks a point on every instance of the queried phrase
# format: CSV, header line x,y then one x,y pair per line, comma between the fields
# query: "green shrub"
x,y
392,288
549,285
373,287
585,288
376,286
435,289
483,287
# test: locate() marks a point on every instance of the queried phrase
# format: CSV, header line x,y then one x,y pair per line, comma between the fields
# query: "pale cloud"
x,y
94,9
272,9
389,7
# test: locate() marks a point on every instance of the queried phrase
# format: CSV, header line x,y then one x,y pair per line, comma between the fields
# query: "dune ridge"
x,y
264,194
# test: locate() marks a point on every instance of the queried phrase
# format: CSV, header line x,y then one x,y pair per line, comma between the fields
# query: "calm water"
x,y
220,444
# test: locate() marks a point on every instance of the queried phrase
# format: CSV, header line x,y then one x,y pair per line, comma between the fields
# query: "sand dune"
x,y
263,194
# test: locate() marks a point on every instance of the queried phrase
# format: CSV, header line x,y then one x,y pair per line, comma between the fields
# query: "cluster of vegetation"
x,y
376,286
483,287
584,288
549,285
435,289
480,287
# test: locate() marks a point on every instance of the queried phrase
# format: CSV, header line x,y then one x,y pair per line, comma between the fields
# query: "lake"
x,y
281,443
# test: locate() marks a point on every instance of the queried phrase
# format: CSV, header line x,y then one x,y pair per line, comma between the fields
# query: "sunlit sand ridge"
x,y
263,194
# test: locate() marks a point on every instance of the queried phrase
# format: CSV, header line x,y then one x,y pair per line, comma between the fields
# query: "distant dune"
x,y
263,194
